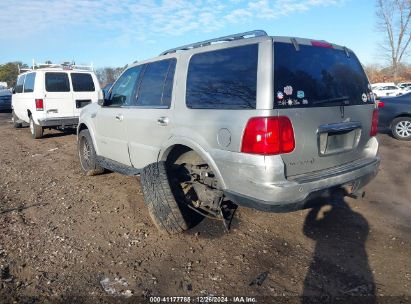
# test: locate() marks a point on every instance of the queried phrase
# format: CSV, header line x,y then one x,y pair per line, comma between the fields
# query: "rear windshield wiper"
x,y
344,100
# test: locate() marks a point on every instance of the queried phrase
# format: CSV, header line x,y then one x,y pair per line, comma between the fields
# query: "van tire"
x,y
87,154
164,210
36,130
401,128
14,118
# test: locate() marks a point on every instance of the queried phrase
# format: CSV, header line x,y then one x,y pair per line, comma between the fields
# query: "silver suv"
x,y
248,119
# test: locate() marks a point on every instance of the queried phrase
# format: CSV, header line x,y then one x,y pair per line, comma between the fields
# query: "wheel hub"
x,y
403,128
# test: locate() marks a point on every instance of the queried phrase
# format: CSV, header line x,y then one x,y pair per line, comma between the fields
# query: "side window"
x,y
82,82
223,79
122,90
157,84
57,82
20,82
29,83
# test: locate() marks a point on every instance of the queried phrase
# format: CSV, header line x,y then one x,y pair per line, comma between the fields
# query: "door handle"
x,y
163,121
119,117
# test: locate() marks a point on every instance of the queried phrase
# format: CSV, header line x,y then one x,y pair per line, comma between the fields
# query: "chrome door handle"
x,y
163,121
119,117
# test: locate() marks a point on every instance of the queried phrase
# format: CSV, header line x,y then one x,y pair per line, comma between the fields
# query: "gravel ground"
x,y
65,236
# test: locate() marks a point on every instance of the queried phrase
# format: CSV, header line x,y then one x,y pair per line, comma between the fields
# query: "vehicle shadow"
x,y
339,268
59,133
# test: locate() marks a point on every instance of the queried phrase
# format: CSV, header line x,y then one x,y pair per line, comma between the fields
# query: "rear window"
x,y
82,82
19,84
223,79
29,83
318,76
57,82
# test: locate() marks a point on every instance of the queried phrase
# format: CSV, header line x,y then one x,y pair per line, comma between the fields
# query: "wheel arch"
x,y
83,126
176,143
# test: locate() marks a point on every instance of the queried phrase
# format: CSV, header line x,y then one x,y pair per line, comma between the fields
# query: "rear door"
x,y
151,113
58,100
84,90
323,89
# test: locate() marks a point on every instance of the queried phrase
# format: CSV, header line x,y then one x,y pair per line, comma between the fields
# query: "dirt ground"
x,y
67,236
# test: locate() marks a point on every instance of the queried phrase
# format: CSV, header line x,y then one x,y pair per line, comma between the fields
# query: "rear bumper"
x,y
295,194
259,182
59,122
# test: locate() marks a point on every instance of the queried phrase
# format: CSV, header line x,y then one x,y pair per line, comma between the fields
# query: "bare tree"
x,y
394,20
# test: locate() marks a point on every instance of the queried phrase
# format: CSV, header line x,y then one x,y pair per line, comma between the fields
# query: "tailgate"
x,y
323,90
324,139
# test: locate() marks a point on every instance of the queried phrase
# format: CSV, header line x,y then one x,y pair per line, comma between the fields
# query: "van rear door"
x,y
58,95
85,90
324,91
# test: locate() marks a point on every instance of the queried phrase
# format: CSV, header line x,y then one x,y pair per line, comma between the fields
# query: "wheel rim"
x,y
31,126
403,128
85,153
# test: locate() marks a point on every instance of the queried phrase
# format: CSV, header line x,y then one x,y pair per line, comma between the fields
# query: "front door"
x,y
111,136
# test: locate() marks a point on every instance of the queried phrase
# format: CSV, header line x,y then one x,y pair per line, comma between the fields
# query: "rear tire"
x,y
36,130
14,119
401,128
87,154
164,210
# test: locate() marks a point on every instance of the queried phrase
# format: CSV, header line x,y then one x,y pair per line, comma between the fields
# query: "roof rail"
x,y
251,34
65,65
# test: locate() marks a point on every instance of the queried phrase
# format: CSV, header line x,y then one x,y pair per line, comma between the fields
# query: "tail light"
x,y
380,104
268,136
39,105
374,123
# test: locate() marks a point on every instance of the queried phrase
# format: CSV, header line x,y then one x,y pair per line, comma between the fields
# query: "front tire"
x,y
401,128
87,154
36,130
14,119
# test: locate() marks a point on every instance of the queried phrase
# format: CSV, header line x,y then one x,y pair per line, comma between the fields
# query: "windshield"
x,y
317,77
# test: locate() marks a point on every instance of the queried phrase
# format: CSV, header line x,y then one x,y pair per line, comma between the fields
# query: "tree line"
x,y
393,20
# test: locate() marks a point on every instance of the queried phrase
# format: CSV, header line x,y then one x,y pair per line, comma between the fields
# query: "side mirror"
x,y
101,96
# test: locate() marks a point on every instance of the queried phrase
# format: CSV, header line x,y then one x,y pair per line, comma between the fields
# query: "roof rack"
x,y
64,66
251,34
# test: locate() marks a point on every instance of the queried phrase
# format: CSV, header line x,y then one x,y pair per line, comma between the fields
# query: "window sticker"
x,y
305,101
280,95
300,94
364,97
288,90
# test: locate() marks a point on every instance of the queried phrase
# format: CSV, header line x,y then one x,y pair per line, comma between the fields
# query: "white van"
x,y
52,97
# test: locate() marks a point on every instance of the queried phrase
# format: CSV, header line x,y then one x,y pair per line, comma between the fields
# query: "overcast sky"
x,y
114,33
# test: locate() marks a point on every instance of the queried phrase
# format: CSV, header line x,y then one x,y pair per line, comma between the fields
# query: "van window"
x,y
29,83
156,85
223,79
20,82
57,82
82,82
317,76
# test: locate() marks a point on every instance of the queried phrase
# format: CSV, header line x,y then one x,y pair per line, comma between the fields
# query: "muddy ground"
x,y
64,235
